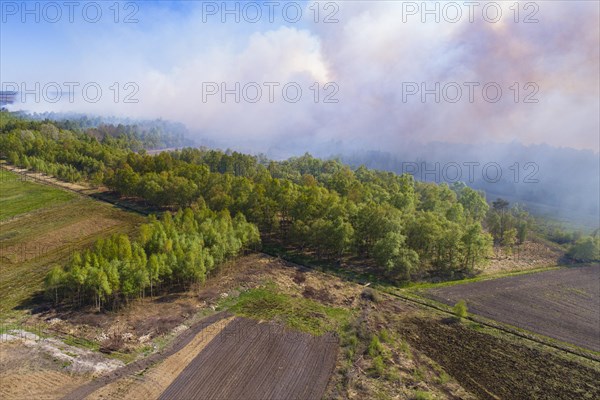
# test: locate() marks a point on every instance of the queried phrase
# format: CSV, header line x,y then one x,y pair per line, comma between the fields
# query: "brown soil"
x,y
252,360
140,322
37,384
493,367
562,304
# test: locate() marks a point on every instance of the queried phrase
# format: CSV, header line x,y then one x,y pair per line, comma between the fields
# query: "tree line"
x,y
403,228
173,251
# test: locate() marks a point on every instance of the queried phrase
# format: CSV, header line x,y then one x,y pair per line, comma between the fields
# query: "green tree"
x,y
509,239
154,269
473,203
397,260
55,280
477,245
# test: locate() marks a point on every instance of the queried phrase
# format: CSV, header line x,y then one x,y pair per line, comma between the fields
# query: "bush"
x,y
371,295
585,250
114,342
422,395
378,366
385,335
460,310
375,347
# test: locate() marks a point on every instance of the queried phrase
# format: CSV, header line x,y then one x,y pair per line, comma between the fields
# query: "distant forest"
x,y
141,134
557,183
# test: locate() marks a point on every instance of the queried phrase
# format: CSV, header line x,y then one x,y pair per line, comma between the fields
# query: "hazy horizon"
x,y
376,66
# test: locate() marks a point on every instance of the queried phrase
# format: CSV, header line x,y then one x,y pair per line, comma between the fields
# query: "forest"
x,y
403,228
177,250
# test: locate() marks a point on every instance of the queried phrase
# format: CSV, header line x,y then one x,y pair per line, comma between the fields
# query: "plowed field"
x,y
563,304
252,360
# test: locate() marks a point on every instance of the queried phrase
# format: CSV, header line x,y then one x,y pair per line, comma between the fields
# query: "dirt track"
x,y
252,360
562,304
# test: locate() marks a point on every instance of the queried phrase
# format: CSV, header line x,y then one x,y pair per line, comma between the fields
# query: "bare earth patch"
x,y
498,368
43,385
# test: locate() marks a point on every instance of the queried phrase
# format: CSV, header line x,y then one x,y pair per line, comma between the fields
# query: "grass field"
x,y
18,196
49,225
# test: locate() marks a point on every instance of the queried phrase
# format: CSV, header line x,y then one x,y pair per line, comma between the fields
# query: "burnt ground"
x,y
563,304
252,360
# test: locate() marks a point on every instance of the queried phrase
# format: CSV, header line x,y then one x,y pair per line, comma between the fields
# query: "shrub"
x,y
460,310
375,347
299,277
422,395
114,342
585,250
378,366
385,335
371,295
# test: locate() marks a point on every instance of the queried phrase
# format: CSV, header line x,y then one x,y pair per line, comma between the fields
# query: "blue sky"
x,y
374,55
